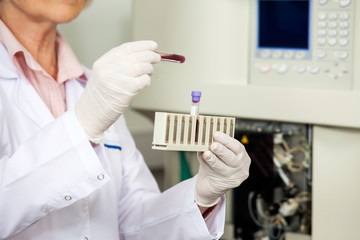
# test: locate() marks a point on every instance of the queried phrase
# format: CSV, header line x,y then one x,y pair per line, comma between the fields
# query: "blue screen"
x,y
283,24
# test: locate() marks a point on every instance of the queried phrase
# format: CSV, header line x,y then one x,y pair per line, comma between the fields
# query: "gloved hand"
x,y
116,78
224,167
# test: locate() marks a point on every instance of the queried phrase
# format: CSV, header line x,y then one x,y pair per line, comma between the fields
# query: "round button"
x,y
344,3
314,69
84,238
300,55
332,41
321,41
281,68
300,69
68,197
322,16
320,54
344,25
322,2
332,25
343,42
265,53
322,24
276,53
322,33
100,176
336,71
342,55
332,33
288,54
343,33
344,16
264,68
333,16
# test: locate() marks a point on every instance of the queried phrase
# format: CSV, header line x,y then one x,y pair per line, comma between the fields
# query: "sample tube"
x,y
195,110
195,102
170,57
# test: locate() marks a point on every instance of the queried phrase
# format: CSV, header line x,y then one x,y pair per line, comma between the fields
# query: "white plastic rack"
x,y
185,132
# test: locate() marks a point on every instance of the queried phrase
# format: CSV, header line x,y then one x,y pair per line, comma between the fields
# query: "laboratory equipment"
x,y
195,102
232,54
276,198
184,132
315,83
304,44
169,57
189,132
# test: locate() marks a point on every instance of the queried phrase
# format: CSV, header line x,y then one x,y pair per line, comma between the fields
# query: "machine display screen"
x,y
283,24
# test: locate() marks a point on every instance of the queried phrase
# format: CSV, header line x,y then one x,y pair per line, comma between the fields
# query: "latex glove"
x,y
116,78
222,168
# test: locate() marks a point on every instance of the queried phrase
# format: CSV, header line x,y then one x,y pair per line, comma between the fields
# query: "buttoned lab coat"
x,y
55,185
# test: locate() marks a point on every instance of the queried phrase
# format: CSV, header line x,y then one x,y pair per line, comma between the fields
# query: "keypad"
x,y
333,29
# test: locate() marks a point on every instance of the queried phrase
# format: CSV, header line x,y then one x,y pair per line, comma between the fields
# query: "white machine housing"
x,y
223,60
219,40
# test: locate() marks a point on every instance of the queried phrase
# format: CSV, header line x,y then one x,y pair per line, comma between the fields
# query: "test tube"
x,y
170,57
195,103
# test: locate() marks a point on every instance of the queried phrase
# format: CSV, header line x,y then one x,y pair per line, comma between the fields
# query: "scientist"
x,y
69,168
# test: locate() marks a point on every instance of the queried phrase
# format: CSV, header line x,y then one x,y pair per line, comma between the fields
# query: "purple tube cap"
x,y
196,96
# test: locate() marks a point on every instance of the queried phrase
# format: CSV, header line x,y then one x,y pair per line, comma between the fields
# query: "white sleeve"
x,y
54,168
175,215
145,213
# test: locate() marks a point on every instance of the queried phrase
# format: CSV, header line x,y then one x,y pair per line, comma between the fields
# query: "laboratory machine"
x,y
288,71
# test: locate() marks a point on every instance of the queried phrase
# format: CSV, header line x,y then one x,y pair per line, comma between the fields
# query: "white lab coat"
x,y
55,185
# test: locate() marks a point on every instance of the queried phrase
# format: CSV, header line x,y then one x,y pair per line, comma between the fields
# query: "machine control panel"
x,y
306,44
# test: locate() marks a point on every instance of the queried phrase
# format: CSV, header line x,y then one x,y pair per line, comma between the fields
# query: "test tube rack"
x,y
185,132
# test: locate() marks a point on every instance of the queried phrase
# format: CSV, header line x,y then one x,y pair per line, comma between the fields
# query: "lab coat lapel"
x,y
25,96
31,104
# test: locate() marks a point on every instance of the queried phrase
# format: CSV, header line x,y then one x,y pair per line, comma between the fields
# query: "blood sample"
x,y
195,110
170,57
